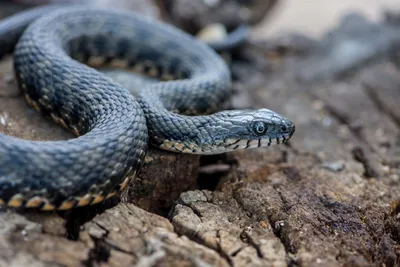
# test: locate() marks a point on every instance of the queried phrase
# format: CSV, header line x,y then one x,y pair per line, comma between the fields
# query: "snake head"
x,y
242,129
223,131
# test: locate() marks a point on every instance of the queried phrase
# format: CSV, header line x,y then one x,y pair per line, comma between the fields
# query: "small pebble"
x,y
215,168
24,232
213,32
4,119
279,225
343,131
334,166
8,78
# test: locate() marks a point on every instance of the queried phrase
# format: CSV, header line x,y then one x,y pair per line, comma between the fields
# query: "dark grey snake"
x,y
112,126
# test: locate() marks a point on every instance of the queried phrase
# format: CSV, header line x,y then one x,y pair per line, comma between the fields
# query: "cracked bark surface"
x,y
331,197
124,235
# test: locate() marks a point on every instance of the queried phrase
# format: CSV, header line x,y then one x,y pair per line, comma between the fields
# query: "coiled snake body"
x,y
112,126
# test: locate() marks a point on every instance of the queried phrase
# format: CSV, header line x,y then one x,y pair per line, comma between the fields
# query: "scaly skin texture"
x,y
113,127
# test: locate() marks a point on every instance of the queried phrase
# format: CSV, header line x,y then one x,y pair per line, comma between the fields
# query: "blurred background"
x,y
314,17
311,17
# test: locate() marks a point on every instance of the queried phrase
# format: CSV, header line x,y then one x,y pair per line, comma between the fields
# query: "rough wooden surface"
x,y
331,197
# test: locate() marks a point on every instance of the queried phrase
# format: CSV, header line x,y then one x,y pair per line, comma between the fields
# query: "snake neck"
x,y
168,128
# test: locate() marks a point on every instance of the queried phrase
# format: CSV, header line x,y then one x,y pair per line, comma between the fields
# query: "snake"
x,y
56,59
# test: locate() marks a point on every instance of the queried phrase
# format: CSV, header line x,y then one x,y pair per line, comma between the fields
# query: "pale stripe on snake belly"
x,y
113,128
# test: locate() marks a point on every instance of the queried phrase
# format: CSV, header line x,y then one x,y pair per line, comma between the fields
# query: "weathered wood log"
x,y
331,197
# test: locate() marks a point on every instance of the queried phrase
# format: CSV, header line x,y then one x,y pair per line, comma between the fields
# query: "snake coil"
x,y
113,128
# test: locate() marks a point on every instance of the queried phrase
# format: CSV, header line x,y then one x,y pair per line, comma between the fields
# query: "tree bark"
x,y
331,197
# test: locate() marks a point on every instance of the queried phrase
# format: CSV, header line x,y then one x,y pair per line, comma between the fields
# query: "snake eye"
x,y
260,128
283,128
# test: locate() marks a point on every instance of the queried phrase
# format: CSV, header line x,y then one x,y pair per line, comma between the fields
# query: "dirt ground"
x,y
315,17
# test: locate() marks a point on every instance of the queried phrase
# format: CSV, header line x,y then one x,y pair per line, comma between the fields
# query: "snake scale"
x,y
54,62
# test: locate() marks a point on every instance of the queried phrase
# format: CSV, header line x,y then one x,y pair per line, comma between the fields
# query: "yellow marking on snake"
x,y
96,61
119,63
166,75
130,169
2,202
85,200
111,194
32,103
192,146
179,146
28,99
43,103
134,173
66,205
169,145
153,72
34,202
188,150
75,131
16,201
59,120
124,184
138,68
48,207
97,199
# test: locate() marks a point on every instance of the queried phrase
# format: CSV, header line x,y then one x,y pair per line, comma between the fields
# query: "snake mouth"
x,y
228,145
255,143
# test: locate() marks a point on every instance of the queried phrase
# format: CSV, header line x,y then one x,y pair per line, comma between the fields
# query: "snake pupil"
x,y
260,128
